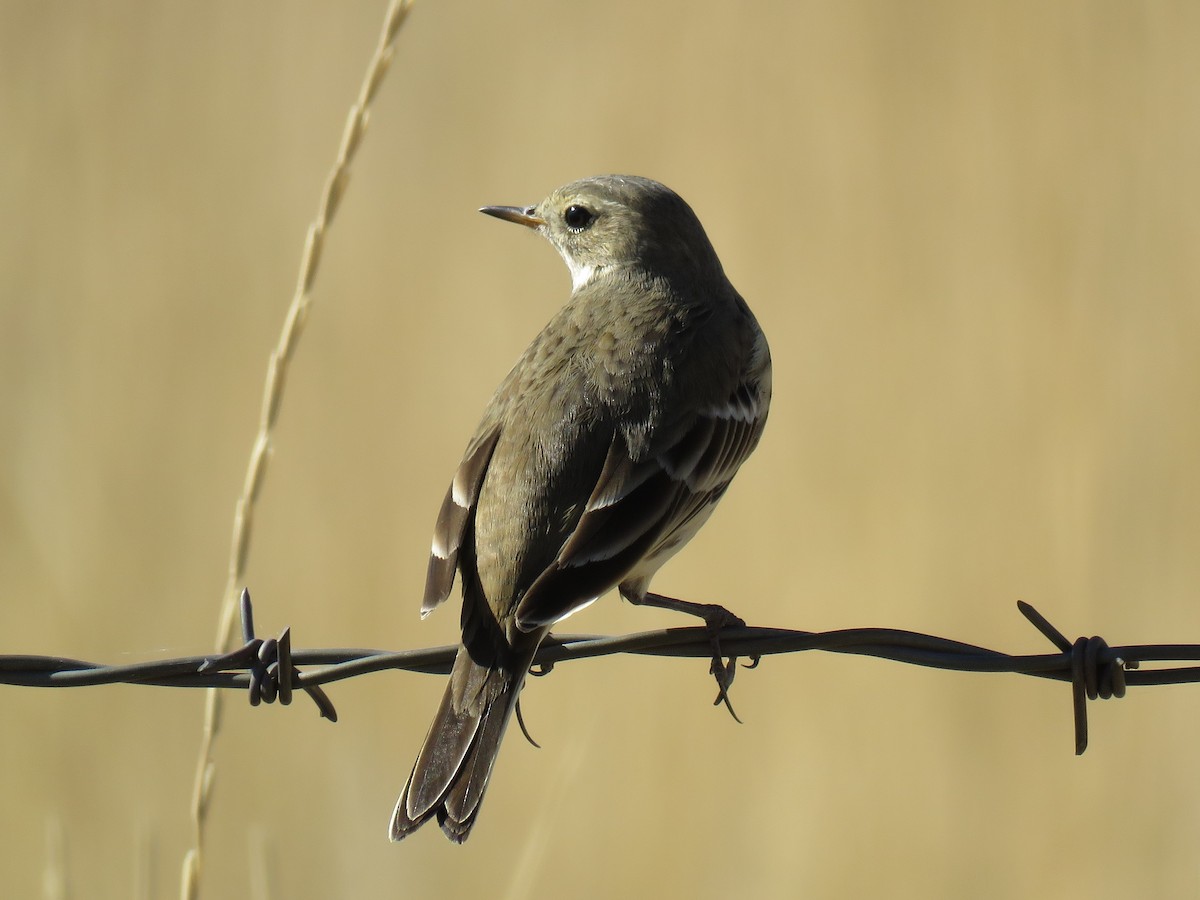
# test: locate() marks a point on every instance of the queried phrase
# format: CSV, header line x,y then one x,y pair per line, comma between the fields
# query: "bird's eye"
x,y
578,217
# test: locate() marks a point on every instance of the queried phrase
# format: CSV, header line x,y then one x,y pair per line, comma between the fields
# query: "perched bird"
x,y
599,456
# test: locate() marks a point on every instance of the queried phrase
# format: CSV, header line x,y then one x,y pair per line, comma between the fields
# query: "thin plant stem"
x,y
277,370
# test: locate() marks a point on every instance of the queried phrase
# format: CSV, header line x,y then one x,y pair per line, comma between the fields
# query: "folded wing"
x,y
642,510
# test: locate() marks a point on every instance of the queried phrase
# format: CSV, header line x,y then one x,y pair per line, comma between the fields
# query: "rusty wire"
x,y
269,668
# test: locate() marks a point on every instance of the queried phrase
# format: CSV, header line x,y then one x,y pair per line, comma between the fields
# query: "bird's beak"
x,y
522,215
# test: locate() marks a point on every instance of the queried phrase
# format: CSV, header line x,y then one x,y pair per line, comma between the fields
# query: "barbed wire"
x,y
268,668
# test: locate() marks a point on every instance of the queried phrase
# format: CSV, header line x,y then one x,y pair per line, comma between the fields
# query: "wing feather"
x,y
453,519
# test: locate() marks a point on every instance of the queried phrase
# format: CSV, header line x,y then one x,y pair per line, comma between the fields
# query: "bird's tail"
x,y
452,770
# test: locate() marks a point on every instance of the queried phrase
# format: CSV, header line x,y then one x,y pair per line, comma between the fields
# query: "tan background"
x,y
970,231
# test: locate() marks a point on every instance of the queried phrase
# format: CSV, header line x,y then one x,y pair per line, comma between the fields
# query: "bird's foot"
x,y
716,619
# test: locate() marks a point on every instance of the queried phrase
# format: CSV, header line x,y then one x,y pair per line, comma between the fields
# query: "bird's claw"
x,y
716,619
724,672
524,730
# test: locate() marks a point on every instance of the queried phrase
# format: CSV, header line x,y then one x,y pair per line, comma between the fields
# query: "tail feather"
x,y
451,773
462,801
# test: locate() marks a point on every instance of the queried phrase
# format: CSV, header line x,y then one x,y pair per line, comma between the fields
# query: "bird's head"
x,y
618,221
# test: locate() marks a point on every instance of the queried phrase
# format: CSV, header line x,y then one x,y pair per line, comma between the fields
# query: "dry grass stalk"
x,y
277,370
55,884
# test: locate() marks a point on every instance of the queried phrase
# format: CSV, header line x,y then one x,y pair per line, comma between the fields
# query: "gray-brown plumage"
x,y
598,457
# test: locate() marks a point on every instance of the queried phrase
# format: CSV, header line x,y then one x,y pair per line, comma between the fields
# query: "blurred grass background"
x,y
970,232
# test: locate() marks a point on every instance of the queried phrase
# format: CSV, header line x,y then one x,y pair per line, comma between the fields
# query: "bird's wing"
x,y
454,517
641,508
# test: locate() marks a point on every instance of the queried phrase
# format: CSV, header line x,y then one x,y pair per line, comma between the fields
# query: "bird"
x,y
599,456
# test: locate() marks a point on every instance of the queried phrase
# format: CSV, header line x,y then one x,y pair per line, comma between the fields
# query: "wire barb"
x,y
1096,671
269,664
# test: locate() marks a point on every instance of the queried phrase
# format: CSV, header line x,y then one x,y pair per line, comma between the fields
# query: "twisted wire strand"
x,y
269,669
